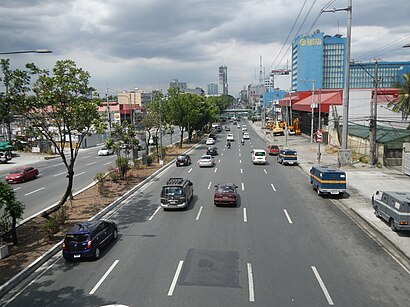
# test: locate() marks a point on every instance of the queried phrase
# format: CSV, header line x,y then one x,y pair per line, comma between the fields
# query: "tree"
x,y
12,209
403,103
63,113
151,118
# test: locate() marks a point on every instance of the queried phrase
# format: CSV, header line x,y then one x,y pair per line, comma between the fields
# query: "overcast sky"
x,y
147,43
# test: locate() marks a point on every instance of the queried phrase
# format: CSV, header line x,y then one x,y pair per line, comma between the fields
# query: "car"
x,y
239,126
287,156
212,151
22,174
206,161
273,149
104,151
229,137
225,194
212,136
227,128
183,160
210,141
86,239
258,156
244,128
245,136
176,193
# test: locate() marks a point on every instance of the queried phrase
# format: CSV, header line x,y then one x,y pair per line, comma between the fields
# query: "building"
x,y
223,80
176,84
322,58
212,89
197,91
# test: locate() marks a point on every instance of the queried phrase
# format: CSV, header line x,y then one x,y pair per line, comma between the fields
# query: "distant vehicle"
x,y
287,156
206,161
244,128
104,151
393,207
238,126
176,193
210,141
86,239
273,149
219,129
225,194
212,136
22,174
328,180
227,128
229,137
212,150
258,156
245,136
183,160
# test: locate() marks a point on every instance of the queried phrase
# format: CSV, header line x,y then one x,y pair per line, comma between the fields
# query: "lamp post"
x,y
161,161
28,51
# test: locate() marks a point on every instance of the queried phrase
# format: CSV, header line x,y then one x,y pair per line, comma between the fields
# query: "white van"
x,y
258,156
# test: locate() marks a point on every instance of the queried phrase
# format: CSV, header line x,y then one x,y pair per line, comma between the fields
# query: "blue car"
x,y
86,239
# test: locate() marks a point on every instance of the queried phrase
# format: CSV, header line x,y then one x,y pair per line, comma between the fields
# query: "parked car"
x,y
86,239
22,174
183,160
273,149
206,161
210,141
212,150
225,194
104,151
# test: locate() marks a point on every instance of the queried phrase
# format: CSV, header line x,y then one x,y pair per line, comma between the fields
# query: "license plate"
x,y
290,162
77,256
334,192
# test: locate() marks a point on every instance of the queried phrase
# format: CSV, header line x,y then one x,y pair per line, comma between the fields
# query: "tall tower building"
x,y
223,80
212,89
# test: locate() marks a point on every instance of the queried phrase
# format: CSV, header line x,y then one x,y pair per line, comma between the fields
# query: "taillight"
x,y
89,243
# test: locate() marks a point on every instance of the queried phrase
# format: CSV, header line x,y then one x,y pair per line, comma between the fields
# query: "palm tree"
x,y
403,103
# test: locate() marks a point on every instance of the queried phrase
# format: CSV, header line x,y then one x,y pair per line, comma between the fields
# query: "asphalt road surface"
x,y
281,246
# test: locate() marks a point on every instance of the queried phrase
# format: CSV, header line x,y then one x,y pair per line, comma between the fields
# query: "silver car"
x,y
206,161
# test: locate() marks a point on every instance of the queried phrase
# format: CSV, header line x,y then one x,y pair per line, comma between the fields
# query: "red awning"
x,y
325,100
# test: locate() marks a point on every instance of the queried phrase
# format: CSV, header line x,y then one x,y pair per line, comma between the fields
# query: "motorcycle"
x,y
243,142
228,144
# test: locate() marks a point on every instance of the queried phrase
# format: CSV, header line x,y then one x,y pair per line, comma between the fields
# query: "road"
x,y
281,246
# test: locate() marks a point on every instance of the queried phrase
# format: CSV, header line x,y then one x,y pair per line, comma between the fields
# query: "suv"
x,y
86,239
177,193
212,150
183,160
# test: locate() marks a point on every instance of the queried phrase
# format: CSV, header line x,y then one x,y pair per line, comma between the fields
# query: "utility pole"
x,y
373,119
161,162
312,106
109,111
319,140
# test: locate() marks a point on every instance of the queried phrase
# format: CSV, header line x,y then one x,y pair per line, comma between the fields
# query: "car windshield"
x,y
225,189
104,148
206,158
76,237
259,154
182,157
173,191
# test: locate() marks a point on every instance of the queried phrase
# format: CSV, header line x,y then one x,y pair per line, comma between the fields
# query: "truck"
x,y
5,152
176,193
328,180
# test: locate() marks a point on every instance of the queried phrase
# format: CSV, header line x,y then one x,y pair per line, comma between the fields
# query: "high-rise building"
x,y
176,84
212,89
223,80
322,58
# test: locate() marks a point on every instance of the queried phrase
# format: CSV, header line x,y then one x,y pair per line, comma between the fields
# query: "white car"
x,y
104,151
229,137
258,156
206,161
244,128
245,136
210,141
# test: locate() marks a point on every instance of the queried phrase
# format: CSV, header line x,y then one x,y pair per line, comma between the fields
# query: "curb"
x,y
19,277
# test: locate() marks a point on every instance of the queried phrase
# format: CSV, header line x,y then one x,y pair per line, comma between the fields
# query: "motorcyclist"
x,y
228,144
242,141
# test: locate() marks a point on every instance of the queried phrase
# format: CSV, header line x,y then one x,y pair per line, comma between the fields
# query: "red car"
x,y
225,194
22,174
273,149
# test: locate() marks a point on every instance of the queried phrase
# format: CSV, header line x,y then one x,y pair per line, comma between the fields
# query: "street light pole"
x,y
161,162
312,106
28,51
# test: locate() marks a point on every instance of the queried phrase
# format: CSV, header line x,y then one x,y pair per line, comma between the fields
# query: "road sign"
x,y
319,136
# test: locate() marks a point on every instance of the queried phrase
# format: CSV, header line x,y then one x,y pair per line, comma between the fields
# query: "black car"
x,y
183,160
212,150
86,239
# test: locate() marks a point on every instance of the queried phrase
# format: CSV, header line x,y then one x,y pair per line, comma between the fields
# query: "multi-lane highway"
x,y
281,246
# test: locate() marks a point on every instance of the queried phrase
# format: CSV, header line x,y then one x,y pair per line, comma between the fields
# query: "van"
x,y
287,156
258,156
393,207
176,193
328,180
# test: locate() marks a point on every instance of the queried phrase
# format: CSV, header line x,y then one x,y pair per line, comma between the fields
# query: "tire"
x,y
97,253
318,191
377,212
115,234
392,226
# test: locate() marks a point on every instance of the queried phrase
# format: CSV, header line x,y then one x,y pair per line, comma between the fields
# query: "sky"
x,y
127,44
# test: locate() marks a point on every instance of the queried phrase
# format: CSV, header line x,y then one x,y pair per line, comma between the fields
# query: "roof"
x,y
325,100
384,134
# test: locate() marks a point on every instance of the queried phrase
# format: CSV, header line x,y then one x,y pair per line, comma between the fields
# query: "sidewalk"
x,y
362,181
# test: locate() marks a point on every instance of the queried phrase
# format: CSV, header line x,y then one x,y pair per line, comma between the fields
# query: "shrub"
x,y
149,160
51,227
61,216
100,179
122,164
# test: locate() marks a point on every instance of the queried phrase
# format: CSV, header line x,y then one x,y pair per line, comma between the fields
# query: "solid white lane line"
x,y
79,174
107,163
265,171
219,161
250,283
199,213
322,285
190,170
174,281
287,216
59,174
240,161
215,169
35,191
16,189
245,216
91,163
243,186
155,212
209,185
104,277
273,187
241,171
